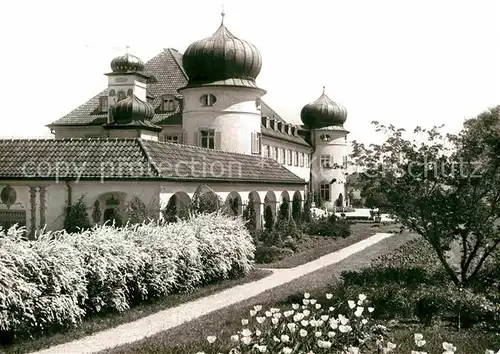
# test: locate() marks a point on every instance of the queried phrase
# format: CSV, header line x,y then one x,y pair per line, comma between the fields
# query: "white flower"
x,y
246,332
362,297
343,320
359,311
306,312
345,329
331,309
252,313
353,350
257,308
303,332
318,334
351,303
288,313
269,313
324,344
274,321
449,348
306,295
262,348
318,306
246,340
329,296
292,327
295,306
364,321
304,323
244,321
235,338
260,319
285,338
331,334
211,339
334,323
258,333
324,317
298,317
287,350
305,301
313,301
419,340
370,309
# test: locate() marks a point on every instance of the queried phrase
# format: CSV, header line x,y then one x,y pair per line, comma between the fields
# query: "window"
x,y
103,102
306,158
112,93
325,138
266,150
207,139
289,157
301,159
208,100
258,103
169,104
324,191
283,156
172,138
295,158
129,92
121,95
324,161
275,153
256,143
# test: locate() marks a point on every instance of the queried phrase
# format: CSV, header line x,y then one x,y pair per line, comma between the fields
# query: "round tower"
x,y
221,99
325,120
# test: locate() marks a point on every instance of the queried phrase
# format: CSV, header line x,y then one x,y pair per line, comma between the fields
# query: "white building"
x,y
168,126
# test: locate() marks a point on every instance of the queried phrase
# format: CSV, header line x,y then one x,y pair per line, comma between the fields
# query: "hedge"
x,y
54,282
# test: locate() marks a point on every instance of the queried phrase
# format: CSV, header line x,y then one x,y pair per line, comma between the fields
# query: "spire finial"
x,y
222,14
323,90
127,48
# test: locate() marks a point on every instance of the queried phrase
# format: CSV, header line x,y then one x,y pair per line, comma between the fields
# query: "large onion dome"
x,y
222,59
127,63
132,109
323,113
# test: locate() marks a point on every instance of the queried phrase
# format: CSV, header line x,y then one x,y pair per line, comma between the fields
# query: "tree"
x,y
96,212
296,209
250,215
268,218
205,201
446,188
136,211
284,211
77,219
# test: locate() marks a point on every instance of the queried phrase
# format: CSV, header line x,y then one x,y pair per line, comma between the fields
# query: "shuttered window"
x,y
256,144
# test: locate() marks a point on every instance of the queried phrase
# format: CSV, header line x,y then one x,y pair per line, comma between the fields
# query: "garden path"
x,y
175,316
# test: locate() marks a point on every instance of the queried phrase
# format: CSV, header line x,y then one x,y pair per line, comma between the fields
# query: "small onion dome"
x,y
132,109
222,59
127,63
323,113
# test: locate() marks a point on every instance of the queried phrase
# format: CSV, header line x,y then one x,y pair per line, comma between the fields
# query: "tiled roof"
x,y
98,158
166,67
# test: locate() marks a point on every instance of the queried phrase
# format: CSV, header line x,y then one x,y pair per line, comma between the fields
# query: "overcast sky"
x,y
401,62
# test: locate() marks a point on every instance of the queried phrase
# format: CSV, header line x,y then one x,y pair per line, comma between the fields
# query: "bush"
x,y
268,218
269,254
76,218
136,211
329,226
53,282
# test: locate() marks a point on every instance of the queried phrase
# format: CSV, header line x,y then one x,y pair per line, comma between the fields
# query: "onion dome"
x,y
132,109
323,113
222,59
127,63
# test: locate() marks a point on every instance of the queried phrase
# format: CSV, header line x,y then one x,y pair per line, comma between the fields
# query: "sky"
x,y
398,62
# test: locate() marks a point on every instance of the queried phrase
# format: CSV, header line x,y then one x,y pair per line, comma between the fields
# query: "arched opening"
x,y
252,211
284,210
177,207
297,206
12,211
205,200
234,204
112,215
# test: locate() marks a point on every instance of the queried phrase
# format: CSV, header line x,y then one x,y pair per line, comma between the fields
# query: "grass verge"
x,y
110,320
314,247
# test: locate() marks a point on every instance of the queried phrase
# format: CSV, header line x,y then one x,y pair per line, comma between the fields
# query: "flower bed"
x,y
53,282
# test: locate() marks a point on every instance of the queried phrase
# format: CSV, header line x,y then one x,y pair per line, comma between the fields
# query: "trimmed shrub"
x,y
55,281
250,215
329,226
268,218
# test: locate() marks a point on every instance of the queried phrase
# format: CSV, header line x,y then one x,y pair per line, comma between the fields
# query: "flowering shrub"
x,y
58,279
309,327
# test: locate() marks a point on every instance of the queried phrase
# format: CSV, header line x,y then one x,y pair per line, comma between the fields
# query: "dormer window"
x,y
103,104
258,104
208,100
169,104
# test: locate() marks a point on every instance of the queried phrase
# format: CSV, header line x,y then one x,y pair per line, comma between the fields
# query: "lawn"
x,y
314,247
189,338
